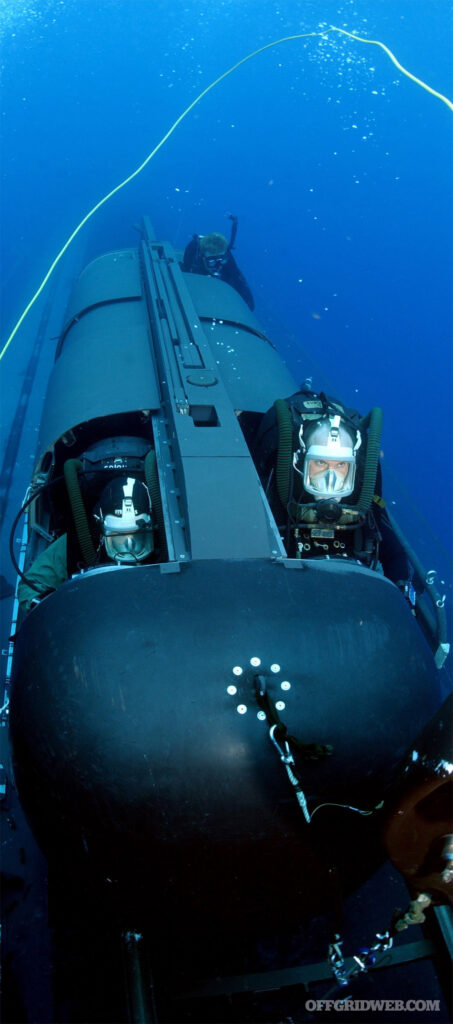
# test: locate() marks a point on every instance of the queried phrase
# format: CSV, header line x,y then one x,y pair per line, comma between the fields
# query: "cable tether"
x,y
278,734
130,177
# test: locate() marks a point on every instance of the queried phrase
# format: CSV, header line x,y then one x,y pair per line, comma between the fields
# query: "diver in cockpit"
x,y
122,519
319,465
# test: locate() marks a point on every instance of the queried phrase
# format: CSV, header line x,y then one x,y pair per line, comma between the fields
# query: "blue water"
x,y
339,168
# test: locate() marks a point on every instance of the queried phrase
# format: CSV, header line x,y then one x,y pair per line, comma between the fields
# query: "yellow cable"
x,y
418,81
276,42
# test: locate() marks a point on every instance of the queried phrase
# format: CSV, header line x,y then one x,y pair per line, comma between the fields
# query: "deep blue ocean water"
x,y
339,168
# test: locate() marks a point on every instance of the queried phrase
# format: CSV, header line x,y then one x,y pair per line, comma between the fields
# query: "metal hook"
x,y
286,757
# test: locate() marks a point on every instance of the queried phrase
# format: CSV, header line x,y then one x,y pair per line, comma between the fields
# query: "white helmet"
x,y
327,459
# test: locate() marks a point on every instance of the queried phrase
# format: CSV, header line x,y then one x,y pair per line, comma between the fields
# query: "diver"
x,y
123,521
211,254
319,464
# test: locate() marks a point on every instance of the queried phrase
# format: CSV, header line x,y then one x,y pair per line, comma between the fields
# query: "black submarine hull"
x,y
137,758
143,760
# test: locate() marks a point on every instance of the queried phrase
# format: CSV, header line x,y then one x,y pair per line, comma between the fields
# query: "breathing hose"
x,y
372,423
284,450
71,474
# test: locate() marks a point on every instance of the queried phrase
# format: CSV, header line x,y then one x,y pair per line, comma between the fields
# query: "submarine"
x,y
216,732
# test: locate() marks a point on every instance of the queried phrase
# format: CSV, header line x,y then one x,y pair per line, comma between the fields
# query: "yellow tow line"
x,y
276,42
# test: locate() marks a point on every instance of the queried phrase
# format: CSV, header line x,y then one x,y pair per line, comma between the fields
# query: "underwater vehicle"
x,y
208,730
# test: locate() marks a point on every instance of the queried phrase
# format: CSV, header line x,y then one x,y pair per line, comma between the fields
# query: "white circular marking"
x,y
232,690
285,685
255,662
237,671
241,709
275,668
280,705
261,716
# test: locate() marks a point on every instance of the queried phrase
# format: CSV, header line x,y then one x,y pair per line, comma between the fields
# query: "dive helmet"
x,y
124,515
326,458
214,252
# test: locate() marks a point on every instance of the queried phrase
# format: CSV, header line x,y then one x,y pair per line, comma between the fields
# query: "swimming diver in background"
x,y
211,254
123,520
319,465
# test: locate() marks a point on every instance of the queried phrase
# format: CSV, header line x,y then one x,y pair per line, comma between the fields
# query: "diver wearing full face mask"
x,y
123,521
326,458
124,517
319,465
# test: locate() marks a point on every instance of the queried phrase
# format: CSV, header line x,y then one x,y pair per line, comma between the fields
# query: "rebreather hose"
x,y
276,42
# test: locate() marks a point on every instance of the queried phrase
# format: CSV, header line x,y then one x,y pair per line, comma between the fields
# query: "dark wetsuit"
x,y
228,272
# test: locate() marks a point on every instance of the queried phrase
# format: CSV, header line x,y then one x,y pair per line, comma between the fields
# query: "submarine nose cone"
x,y
139,741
